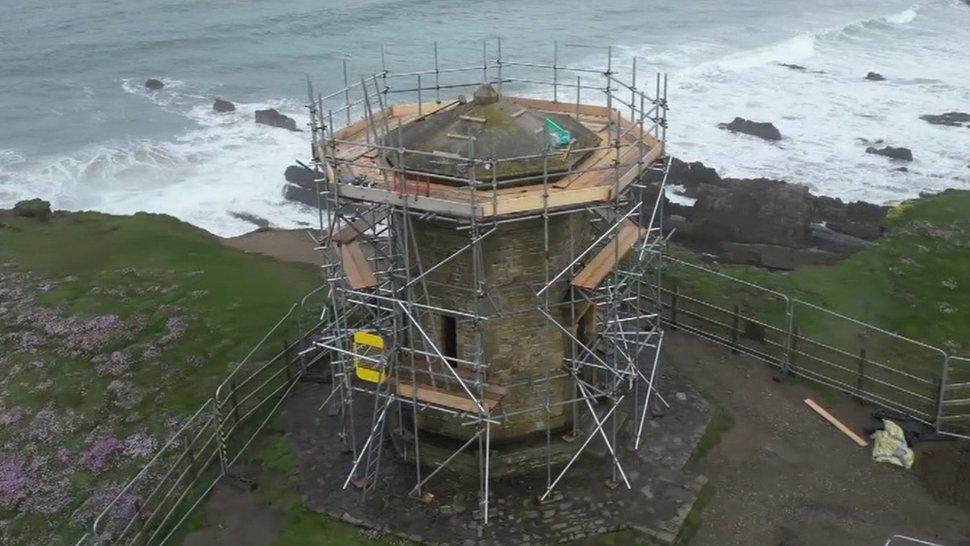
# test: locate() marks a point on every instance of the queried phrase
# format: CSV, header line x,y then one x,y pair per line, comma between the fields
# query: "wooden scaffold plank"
x,y
607,259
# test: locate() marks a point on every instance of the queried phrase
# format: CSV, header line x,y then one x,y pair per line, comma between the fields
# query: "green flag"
x,y
558,137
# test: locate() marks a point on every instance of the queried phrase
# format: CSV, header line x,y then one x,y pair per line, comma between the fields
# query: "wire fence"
x,y
917,380
154,504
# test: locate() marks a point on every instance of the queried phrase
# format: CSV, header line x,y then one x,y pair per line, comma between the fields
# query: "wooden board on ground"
x,y
606,260
836,423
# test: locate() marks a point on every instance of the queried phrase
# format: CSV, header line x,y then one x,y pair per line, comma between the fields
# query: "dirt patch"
x,y
236,518
288,245
782,475
940,463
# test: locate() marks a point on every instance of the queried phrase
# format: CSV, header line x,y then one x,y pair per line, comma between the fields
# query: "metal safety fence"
x,y
904,375
152,506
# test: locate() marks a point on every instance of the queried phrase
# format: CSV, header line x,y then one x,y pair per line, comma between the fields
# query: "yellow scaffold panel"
x,y
368,345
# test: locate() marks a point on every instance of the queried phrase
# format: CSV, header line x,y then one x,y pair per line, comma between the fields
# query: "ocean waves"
x,y
224,163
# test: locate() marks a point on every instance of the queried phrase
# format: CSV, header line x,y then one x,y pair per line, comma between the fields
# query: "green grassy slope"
x,y
112,331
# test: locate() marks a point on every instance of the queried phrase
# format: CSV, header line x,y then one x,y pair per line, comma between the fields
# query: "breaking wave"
x,y
226,162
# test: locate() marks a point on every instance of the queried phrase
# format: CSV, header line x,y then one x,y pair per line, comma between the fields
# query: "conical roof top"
x,y
500,129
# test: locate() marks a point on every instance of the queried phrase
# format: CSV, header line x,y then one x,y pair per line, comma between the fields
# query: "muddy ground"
x,y
288,245
783,476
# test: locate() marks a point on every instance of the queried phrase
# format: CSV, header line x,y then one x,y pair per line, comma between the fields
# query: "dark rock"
x,y
154,85
257,221
300,176
832,241
902,154
223,106
753,211
763,130
273,118
680,224
689,175
952,119
775,256
868,231
901,169
33,208
793,66
875,77
299,194
859,219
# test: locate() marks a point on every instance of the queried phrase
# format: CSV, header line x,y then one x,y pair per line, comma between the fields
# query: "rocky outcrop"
x,y
300,176
764,130
753,211
776,257
223,106
256,220
829,240
793,66
875,77
273,118
33,208
952,119
901,154
154,85
299,194
752,221
301,186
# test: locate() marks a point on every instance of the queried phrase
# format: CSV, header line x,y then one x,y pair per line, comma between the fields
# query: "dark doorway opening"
x,y
449,336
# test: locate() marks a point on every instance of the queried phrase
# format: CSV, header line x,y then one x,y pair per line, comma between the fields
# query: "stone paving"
x,y
662,491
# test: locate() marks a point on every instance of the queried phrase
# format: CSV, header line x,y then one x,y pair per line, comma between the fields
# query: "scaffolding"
x,y
389,354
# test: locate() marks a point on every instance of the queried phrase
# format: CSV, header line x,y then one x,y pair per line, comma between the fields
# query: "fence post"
x,y
735,324
234,400
674,298
793,352
861,375
286,360
790,335
941,393
221,437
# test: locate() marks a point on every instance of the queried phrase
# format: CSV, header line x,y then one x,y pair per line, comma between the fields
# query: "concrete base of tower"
x,y
586,502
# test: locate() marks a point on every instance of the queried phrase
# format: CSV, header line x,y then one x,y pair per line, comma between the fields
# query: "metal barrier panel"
x,y
954,416
740,315
153,504
868,362
249,396
898,373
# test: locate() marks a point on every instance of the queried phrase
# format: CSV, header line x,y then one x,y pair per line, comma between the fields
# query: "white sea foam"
x,y
797,48
903,17
227,163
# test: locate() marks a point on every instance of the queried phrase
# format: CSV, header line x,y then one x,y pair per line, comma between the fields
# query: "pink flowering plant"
x,y
113,331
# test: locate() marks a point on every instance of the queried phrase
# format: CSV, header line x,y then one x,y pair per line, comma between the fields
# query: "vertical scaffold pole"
x,y
437,76
555,71
498,62
346,92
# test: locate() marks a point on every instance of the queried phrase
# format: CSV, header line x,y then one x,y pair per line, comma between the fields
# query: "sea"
x,y
78,127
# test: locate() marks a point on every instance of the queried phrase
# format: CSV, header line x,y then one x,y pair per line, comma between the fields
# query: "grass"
x,y
912,283
151,272
278,489
692,523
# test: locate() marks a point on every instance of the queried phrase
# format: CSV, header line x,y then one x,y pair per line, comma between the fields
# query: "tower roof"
x,y
494,127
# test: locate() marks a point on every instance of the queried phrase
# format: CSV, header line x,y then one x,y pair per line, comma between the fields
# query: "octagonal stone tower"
x,y
485,202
